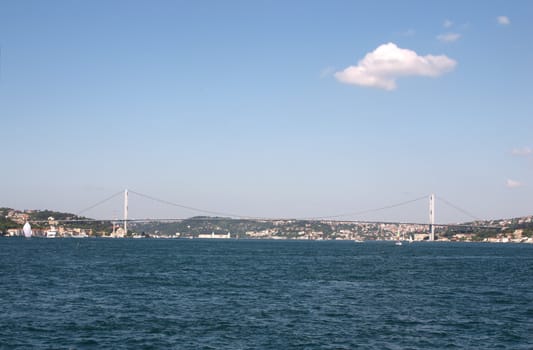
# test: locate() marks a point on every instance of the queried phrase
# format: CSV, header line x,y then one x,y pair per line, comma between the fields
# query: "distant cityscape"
x,y
51,224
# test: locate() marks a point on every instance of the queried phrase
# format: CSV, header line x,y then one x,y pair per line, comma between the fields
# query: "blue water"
x,y
231,294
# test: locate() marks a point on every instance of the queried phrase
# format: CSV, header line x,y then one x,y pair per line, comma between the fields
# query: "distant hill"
x,y
287,228
14,219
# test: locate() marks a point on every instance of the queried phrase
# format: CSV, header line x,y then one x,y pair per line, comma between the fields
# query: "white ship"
x,y
52,232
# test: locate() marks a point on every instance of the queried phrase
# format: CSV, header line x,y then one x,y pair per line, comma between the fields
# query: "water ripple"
x,y
151,294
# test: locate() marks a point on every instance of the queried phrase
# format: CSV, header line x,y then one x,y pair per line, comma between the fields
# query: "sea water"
x,y
246,294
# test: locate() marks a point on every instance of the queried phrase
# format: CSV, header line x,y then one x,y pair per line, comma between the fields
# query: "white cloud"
x,y
447,23
503,20
381,67
524,151
449,37
513,183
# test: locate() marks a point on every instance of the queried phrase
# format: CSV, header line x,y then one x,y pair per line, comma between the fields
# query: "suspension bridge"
x,y
214,215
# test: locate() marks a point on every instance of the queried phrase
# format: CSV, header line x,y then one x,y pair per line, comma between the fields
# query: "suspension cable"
x,y
390,206
369,210
264,218
99,203
191,208
458,208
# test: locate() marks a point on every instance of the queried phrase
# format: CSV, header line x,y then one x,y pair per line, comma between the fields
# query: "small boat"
x,y
80,235
398,241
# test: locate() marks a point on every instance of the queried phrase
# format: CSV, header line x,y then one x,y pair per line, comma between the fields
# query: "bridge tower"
x,y
432,217
125,212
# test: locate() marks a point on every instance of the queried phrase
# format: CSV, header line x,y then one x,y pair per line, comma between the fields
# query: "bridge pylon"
x,y
125,212
432,217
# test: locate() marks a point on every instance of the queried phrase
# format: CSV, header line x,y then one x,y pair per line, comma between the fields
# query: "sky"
x,y
291,109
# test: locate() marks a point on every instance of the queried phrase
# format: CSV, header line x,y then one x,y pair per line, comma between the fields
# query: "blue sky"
x,y
268,108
